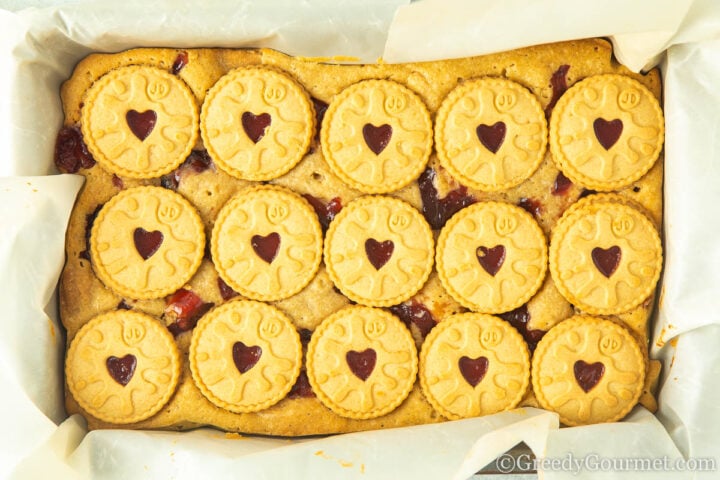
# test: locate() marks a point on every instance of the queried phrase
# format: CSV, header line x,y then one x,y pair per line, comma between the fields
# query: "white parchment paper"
x,y
40,47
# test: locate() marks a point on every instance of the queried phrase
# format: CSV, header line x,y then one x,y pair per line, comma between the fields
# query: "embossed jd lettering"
x,y
622,225
395,104
505,225
133,333
274,94
505,100
490,337
374,328
169,212
610,344
270,328
629,99
277,213
398,222
157,90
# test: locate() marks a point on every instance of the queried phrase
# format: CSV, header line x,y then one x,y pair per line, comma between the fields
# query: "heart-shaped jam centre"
x,y
606,261
245,357
377,138
362,363
147,243
491,259
266,247
473,369
379,253
141,124
491,136
588,375
607,132
121,369
255,125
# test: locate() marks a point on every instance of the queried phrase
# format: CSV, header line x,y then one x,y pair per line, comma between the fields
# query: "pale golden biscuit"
x,y
490,133
139,121
588,370
257,123
603,197
491,257
122,366
147,242
377,136
379,251
267,243
362,362
605,257
606,132
245,356
474,364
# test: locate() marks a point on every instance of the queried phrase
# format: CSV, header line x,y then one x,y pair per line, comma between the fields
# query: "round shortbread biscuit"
x,y
362,362
257,123
474,364
490,133
588,370
377,136
147,242
139,121
245,356
122,366
606,132
605,257
491,257
379,251
267,243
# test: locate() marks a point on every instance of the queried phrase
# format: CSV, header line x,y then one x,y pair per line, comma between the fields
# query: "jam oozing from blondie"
x,y
558,82
325,211
185,308
117,182
437,211
519,319
586,193
561,185
180,61
305,336
197,162
531,205
71,153
320,109
302,388
414,312
89,221
123,305
226,291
